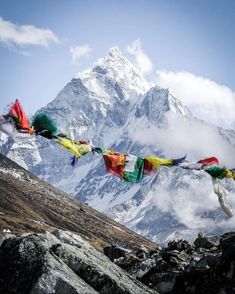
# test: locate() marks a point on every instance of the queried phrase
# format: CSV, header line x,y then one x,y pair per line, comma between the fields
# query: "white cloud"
x,y
142,60
185,136
80,51
206,99
187,205
184,194
12,34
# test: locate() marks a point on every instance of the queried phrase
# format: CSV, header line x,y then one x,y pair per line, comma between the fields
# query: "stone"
x,y
60,263
114,252
167,285
142,268
228,243
180,245
181,268
142,253
28,267
206,242
96,269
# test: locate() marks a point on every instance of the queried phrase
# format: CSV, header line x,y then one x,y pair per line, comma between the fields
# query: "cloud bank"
x,y
12,34
80,51
188,196
206,99
191,206
185,136
143,61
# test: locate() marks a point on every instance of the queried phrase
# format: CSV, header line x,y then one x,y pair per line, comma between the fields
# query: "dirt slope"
x,y
28,204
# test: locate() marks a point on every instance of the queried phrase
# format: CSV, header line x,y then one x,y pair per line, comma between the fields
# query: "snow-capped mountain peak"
x,y
116,67
113,105
157,103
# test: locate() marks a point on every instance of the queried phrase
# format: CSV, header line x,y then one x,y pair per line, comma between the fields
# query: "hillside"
x,y
28,204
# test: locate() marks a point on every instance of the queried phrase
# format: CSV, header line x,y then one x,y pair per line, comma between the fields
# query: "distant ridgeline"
x,y
127,167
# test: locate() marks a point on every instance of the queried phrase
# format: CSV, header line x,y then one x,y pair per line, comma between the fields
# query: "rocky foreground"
x,y
207,266
60,262
64,263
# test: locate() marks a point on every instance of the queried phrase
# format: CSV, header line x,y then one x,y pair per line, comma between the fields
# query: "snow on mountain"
x,y
115,67
174,200
3,138
23,150
115,107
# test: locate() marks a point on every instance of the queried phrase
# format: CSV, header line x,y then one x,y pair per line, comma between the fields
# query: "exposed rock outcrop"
x,y
60,262
208,267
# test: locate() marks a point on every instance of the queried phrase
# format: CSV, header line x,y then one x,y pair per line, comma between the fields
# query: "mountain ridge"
x,y
106,105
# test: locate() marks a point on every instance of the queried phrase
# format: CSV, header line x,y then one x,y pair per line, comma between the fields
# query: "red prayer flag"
x,y
209,161
17,112
148,168
114,164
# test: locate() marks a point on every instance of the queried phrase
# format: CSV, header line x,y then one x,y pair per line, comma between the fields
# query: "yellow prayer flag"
x,y
157,162
229,174
78,149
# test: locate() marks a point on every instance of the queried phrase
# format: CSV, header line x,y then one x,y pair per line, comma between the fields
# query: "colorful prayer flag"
x,y
44,126
19,116
77,148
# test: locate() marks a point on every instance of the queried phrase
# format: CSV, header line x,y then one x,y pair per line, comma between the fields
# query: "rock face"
x,y
60,263
184,268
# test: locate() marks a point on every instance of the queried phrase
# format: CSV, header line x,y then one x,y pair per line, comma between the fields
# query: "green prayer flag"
x,y
43,122
137,174
216,171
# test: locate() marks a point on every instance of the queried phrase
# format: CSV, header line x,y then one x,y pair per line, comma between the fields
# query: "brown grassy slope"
x,y
28,204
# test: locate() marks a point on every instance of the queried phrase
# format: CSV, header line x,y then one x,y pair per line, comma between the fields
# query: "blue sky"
x,y
194,36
